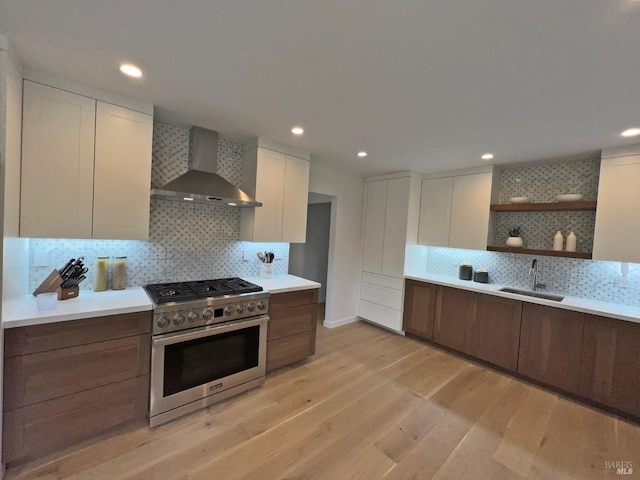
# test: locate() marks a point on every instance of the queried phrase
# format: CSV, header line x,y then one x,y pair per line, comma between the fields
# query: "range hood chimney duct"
x,y
201,183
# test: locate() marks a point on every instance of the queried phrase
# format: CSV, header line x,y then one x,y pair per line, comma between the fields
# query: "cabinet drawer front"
x,y
291,321
384,316
41,338
293,299
383,281
290,349
43,376
384,296
34,430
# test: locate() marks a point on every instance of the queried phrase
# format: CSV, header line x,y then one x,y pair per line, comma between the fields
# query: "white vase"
x,y
515,242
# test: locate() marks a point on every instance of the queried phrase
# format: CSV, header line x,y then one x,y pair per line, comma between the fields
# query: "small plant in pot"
x,y
514,239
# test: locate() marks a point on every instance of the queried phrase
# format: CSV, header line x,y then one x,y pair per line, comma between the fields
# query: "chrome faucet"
x,y
533,271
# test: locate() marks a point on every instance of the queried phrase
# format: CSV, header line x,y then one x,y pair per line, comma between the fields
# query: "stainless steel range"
x,y
209,343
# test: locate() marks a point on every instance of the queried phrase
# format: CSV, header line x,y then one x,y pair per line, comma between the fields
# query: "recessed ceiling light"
x,y
297,130
231,204
188,199
131,70
362,154
487,156
630,132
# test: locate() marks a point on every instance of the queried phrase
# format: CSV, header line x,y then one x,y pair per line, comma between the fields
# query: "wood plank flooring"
x,y
370,405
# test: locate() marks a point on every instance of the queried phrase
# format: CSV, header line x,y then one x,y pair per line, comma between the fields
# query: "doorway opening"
x,y
310,260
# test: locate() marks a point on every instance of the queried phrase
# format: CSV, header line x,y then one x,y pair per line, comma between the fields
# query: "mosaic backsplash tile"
x,y
568,276
186,241
541,183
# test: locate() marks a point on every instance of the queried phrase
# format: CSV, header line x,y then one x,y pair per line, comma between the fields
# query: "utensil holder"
x,y
266,270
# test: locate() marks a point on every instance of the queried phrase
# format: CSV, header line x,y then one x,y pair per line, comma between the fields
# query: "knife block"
x,y
53,283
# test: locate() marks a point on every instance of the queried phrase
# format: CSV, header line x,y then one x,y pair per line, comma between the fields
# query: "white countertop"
x,y
23,312
283,283
584,305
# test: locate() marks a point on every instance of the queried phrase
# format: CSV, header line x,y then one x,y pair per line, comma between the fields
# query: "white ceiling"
x,y
423,85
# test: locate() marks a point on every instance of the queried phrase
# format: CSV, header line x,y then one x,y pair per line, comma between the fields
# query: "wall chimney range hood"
x,y
201,183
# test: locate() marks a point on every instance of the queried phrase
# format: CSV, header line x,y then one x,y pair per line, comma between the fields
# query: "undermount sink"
x,y
529,293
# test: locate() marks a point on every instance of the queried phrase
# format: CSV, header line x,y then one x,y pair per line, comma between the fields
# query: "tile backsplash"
x,y
186,241
575,277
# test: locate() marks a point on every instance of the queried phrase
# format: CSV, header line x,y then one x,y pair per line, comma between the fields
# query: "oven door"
x,y
192,365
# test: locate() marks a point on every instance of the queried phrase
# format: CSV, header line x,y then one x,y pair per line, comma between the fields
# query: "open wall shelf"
x,y
544,207
547,253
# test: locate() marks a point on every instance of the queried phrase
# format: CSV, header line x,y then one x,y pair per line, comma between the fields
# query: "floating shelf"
x,y
547,253
543,207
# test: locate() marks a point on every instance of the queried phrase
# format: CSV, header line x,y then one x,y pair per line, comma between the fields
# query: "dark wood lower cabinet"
x,y
495,330
610,367
454,314
70,381
291,332
551,346
419,308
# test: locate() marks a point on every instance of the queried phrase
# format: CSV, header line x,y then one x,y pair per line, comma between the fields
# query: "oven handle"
x,y
207,331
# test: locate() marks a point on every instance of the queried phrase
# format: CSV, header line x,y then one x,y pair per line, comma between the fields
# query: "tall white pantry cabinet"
x,y
390,224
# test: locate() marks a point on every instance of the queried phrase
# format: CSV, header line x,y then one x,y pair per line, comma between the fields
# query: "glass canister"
x,y
119,273
101,279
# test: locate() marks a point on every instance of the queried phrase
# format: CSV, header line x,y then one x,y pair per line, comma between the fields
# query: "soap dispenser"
x,y
558,241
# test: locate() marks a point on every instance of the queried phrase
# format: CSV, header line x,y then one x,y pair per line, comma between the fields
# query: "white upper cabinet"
x,y
86,167
296,199
470,209
435,211
455,211
617,230
395,226
57,163
281,183
122,173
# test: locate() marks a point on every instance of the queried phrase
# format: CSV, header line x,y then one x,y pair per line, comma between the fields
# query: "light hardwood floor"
x,y
370,405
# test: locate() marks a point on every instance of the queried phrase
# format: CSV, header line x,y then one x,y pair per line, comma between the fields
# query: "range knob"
x,y
207,314
163,322
251,307
240,308
261,305
178,319
193,317
228,311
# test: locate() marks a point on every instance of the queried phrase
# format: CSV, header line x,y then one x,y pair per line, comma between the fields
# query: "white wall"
x,y
345,244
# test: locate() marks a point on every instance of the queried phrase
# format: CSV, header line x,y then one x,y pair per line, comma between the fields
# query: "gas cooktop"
x,y
162,293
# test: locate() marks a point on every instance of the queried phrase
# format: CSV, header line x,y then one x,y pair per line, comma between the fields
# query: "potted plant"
x,y
514,239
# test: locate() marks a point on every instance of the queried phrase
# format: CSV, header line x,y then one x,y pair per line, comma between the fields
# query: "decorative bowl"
x,y
569,197
519,200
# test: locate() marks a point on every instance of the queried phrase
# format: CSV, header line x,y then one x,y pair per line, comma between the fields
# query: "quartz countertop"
x,y
578,304
22,311
283,283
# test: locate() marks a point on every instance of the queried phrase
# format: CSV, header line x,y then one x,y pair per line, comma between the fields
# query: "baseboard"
x,y
339,323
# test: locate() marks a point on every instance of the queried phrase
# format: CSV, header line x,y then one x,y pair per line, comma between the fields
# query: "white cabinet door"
x,y
470,211
617,231
375,210
270,170
122,173
296,199
56,198
395,226
435,211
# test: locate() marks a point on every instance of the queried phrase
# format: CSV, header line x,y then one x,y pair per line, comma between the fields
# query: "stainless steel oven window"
x,y
203,360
